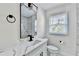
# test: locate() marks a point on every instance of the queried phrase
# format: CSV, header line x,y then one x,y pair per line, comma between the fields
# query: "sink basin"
x,y
32,43
36,42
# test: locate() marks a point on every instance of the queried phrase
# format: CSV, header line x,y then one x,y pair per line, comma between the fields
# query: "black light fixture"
x,y
29,4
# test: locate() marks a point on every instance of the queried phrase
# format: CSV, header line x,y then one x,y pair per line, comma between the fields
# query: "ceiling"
x,y
46,6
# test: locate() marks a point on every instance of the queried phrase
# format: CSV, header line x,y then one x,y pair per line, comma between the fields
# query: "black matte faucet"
x,y
30,37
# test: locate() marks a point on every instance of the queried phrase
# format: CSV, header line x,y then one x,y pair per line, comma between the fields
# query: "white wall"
x,y
77,29
40,23
69,46
9,33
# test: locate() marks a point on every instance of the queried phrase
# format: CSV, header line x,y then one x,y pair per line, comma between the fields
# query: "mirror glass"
x,y
28,21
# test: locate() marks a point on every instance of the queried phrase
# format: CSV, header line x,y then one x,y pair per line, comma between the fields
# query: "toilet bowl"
x,y
53,50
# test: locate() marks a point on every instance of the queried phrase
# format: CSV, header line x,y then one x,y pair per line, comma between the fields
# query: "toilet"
x,y
52,50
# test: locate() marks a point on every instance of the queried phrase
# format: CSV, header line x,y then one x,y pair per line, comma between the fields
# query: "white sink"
x,y
32,44
35,42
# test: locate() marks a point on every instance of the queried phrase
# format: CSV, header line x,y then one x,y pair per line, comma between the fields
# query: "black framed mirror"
x,y
28,20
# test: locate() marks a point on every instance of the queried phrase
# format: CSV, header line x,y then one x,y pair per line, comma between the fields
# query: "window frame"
x,y
67,25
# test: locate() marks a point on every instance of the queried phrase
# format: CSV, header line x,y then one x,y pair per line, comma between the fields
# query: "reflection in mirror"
x,y
28,20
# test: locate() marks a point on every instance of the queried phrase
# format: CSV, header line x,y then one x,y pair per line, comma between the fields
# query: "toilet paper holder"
x,y
61,42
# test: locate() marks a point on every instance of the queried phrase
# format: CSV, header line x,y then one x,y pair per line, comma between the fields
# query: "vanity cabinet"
x,y
38,51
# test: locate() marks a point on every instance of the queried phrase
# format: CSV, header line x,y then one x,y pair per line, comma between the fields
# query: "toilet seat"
x,y
52,47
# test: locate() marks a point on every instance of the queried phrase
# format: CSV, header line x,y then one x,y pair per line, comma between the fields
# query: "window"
x,y
58,24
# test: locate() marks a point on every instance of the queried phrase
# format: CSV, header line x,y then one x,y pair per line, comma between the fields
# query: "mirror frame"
x,y
20,19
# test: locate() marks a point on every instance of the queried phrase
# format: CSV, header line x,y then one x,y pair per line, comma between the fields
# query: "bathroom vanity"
x,y
38,48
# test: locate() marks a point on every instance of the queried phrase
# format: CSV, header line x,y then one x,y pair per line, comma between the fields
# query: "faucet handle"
x,y
30,36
